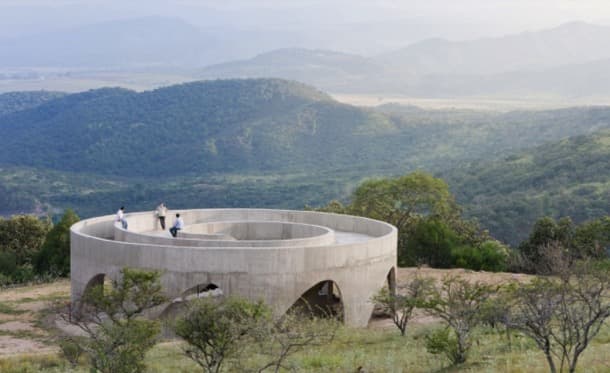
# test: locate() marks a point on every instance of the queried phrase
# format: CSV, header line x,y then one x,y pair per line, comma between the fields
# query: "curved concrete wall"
x,y
258,230
358,258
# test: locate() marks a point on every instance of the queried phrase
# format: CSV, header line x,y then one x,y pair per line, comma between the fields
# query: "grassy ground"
x,y
379,348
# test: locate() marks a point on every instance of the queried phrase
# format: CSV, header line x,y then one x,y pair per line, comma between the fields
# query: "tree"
x,y
217,331
545,232
490,255
431,241
118,335
401,200
21,238
402,303
592,239
414,203
333,206
460,304
226,332
289,334
562,314
54,257
23,235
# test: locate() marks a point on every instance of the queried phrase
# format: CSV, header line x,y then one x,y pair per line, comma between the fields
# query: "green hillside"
x,y
276,143
17,101
264,125
192,128
566,178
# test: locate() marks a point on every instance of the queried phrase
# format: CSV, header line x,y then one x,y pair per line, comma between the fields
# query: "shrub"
x,y
431,242
443,341
401,304
118,335
461,305
54,256
217,331
71,350
490,255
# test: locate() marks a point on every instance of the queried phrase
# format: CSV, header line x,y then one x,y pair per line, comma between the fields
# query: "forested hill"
x,y
276,143
191,128
17,101
263,125
566,178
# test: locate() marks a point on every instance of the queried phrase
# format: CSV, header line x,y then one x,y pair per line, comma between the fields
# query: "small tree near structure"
x,y
118,335
460,305
227,332
54,256
218,331
562,314
400,305
292,333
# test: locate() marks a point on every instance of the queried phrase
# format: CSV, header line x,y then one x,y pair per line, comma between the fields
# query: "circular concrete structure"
x,y
278,256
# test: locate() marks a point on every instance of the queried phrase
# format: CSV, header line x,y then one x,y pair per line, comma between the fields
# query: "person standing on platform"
x,y
120,216
161,211
178,225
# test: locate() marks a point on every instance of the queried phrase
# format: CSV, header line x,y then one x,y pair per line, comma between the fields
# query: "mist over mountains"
x,y
132,43
566,61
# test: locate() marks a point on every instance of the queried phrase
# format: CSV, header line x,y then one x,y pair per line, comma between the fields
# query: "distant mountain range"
x,y
570,43
566,61
320,68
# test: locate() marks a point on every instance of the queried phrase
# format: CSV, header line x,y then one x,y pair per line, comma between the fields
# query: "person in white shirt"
x,y
178,225
121,217
161,211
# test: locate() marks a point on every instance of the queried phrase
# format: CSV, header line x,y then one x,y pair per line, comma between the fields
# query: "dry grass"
x,y
22,310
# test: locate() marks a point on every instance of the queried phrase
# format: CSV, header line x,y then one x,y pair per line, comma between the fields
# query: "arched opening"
x,y
391,281
202,291
379,314
321,300
99,283
178,305
96,287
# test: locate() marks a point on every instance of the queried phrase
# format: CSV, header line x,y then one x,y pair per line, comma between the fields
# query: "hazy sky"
x,y
416,19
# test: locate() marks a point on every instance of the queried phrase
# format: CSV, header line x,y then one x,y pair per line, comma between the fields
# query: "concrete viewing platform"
x,y
282,257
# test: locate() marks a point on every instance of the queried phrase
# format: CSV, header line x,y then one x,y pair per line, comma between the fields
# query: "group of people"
x,y
161,212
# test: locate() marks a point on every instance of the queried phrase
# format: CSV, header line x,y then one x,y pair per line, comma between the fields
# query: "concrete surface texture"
x,y
286,258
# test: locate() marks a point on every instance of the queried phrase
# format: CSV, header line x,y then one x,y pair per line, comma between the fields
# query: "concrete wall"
x,y
278,275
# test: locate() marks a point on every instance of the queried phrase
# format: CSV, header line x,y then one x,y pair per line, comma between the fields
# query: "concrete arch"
x,y
355,252
391,281
202,291
97,280
390,284
94,281
322,300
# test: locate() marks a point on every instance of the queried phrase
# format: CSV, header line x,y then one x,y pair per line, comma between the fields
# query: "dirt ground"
x,y
24,326
492,278
22,310
403,275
